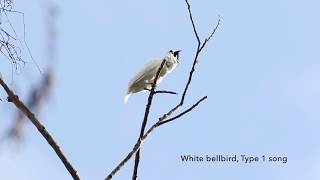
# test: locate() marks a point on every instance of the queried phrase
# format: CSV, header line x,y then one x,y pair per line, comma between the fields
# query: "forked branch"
x,y
150,130
165,118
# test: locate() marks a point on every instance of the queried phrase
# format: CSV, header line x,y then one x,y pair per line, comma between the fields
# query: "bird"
x,y
143,80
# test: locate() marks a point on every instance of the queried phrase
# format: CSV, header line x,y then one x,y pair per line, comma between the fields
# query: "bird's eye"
x,y
171,51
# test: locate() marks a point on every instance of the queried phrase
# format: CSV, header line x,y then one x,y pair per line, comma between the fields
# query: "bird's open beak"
x,y
176,54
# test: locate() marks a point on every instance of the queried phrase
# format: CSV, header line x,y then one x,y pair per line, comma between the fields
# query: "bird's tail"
x,y
126,98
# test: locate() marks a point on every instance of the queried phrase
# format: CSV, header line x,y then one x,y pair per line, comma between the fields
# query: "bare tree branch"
x,y
12,97
145,119
38,94
165,92
211,35
161,122
34,102
192,21
161,91
140,141
163,119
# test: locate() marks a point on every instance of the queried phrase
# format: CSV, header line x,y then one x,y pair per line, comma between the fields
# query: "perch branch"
x,y
161,91
145,119
165,92
12,97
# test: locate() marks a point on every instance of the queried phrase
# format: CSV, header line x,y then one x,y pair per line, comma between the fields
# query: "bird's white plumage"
x,y
126,98
144,78
149,69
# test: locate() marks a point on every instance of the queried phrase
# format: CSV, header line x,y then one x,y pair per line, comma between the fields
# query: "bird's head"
x,y
175,54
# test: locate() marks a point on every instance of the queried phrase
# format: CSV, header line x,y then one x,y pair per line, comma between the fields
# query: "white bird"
x,y
145,77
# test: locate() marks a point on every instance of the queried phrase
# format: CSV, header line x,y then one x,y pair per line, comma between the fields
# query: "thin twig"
x,y
161,122
161,91
192,21
165,92
212,33
183,113
12,97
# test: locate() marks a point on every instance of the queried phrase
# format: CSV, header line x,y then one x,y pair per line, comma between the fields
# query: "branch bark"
x,y
12,97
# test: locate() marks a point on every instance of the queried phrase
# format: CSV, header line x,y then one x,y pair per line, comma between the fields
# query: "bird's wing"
x,y
149,69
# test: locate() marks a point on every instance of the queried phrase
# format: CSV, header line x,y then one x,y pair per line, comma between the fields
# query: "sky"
x,y
260,71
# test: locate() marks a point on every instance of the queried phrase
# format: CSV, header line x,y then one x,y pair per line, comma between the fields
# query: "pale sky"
x,y
261,74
